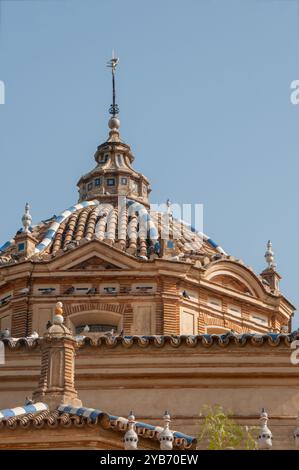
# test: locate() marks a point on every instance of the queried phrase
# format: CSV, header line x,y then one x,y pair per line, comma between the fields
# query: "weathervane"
x,y
114,109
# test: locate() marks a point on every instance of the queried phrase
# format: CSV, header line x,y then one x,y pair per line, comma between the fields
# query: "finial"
x,y
168,205
58,317
265,435
269,256
166,436
26,219
28,401
131,438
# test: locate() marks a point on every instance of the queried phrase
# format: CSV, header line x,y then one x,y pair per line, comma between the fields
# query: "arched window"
x,y
96,328
98,321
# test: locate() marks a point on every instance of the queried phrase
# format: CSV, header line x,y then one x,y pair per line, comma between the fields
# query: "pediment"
x,y
231,283
94,263
235,276
94,256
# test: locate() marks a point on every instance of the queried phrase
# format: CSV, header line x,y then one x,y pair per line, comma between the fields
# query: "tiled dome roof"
x,y
130,228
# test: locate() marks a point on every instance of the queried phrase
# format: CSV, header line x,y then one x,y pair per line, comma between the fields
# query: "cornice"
x,y
175,341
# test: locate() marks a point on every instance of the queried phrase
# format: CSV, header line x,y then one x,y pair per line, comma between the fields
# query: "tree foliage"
x,y
219,432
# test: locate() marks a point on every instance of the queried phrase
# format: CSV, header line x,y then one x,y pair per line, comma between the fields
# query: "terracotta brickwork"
x,y
170,301
108,261
57,377
159,285
243,375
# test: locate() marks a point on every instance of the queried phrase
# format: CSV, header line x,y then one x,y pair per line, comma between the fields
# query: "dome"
x,y
120,266
113,208
130,227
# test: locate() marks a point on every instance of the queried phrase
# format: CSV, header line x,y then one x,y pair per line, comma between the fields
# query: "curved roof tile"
x,y
131,228
175,341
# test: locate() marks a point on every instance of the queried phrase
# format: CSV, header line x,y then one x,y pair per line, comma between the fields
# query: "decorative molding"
x,y
94,306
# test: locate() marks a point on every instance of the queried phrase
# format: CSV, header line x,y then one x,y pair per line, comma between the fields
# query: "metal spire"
x,y
113,62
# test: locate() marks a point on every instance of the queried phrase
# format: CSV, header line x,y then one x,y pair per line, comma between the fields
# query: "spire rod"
x,y
113,62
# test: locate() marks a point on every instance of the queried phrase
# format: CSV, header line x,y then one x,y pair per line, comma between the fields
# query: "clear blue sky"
x,y
204,95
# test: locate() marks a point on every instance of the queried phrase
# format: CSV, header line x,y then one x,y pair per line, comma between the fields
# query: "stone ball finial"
x,y
131,438
58,317
114,123
58,329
